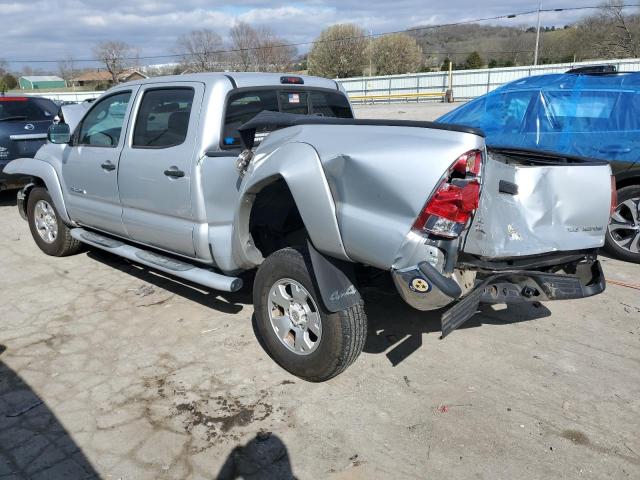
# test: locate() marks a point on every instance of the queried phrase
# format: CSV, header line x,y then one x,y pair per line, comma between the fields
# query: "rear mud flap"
x,y
335,281
525,286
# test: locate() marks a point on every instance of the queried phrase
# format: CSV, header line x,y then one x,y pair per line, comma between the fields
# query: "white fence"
x,y
467,84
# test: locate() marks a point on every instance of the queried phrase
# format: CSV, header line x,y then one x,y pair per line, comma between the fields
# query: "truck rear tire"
x,y
623,234
295,328
51,235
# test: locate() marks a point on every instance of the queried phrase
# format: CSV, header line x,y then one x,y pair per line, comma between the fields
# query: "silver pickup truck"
x,y
209,177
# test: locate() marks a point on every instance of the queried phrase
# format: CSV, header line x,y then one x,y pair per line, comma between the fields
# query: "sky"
x,y
57,29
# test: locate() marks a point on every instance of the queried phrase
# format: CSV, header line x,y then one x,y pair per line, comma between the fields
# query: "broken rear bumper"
x,y
514,286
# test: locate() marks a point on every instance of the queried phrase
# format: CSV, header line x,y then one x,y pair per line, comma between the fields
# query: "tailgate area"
x,y
533,203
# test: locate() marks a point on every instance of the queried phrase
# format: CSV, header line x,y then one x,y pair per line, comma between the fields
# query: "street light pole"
x,y
535,57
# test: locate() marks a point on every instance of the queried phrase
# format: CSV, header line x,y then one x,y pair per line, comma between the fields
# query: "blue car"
x,y
24,122
588,113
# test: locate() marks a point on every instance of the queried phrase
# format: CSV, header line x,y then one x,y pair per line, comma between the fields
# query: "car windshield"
x,y
244,105
27,108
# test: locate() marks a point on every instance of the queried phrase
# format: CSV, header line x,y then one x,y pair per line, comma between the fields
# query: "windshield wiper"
x,y
16,117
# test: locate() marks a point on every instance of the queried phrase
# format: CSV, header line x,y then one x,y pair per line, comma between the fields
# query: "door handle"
x,y
173,172
614,149
108,166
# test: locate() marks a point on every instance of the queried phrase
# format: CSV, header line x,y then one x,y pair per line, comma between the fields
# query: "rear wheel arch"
x,y
274,220
297,170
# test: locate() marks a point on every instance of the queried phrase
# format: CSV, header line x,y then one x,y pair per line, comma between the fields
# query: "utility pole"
x,y
535,56
370,53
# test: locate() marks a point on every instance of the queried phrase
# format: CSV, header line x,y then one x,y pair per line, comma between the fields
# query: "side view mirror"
x,y
59,133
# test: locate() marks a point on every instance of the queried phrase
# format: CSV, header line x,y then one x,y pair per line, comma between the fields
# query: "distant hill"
x,y
603,35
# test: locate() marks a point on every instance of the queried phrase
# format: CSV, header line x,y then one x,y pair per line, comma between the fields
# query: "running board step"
x,y
178,268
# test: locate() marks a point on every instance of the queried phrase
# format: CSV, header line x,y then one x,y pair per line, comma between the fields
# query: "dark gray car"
x,y
24,122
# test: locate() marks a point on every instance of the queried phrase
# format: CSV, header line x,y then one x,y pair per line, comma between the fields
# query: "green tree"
x,y
8,82
474,60
394,54
445,65
339,52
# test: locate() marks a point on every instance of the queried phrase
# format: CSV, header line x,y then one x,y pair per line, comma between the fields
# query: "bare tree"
x,y
115,56
621,41
339,51
66,69
202,51
260,49
397,53
244,41
272,54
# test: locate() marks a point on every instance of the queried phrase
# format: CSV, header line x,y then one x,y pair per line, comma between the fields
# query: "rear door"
x,y
156,166
90,165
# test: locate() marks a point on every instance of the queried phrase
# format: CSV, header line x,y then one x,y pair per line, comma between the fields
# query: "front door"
x,y
90,164
156,166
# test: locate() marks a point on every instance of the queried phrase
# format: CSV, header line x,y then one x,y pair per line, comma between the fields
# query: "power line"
x,y
343,39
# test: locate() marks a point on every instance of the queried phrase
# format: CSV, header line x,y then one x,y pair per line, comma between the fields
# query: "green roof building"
x,y
41,82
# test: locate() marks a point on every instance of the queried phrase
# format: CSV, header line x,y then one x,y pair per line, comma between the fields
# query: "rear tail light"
x,y
455,200
614,196
13,99
470,162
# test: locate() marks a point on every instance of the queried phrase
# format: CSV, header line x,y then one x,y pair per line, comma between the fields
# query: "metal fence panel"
x,y
467,84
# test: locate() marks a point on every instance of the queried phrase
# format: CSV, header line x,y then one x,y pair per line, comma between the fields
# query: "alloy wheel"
x,y
624,226
45,220
294,316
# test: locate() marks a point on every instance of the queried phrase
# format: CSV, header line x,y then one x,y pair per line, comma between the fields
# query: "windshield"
x,y
27,108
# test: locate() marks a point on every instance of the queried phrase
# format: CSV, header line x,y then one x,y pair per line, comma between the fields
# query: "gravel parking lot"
x,y
109,370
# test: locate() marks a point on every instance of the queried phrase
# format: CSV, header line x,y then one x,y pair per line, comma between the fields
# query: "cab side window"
x,y
102,126
163,118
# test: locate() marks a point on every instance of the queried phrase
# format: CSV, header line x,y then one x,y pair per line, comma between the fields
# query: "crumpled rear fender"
x,y
45,172
299,166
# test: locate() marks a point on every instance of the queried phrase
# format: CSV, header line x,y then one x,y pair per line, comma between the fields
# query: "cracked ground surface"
x,y
108,370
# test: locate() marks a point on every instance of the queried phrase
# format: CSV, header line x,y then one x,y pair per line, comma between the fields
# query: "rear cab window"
x,y
245,104
29,109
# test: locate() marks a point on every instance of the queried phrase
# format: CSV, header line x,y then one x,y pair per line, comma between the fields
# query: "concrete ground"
x,y
405,111
108,370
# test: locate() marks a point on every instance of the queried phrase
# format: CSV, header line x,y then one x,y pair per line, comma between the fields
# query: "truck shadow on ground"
x,y
33,443
222,301
397,329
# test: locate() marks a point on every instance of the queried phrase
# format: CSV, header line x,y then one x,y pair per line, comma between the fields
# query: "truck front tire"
x,y
51,235
295,328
